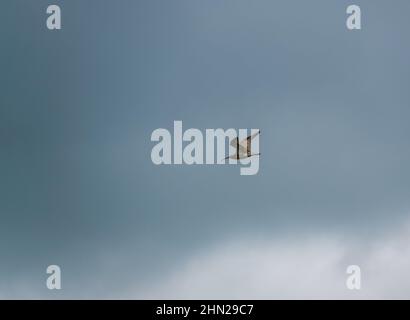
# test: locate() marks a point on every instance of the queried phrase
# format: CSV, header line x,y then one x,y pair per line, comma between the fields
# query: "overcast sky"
x,y
78,188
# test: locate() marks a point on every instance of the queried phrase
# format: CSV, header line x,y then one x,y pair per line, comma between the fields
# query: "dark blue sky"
x,y
77,108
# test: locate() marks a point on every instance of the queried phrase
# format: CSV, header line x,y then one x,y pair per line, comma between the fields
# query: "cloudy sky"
x,y
78,188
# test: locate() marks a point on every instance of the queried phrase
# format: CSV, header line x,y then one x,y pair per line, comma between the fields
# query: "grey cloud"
x,y
77,185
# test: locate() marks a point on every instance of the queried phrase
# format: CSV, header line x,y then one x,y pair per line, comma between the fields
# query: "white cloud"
x,y
302,268
251,267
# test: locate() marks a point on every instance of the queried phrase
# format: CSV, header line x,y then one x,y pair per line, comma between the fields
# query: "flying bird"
x,y
243,148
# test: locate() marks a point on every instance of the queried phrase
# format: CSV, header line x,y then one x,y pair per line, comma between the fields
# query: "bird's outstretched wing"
x,y
244,141
246,144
